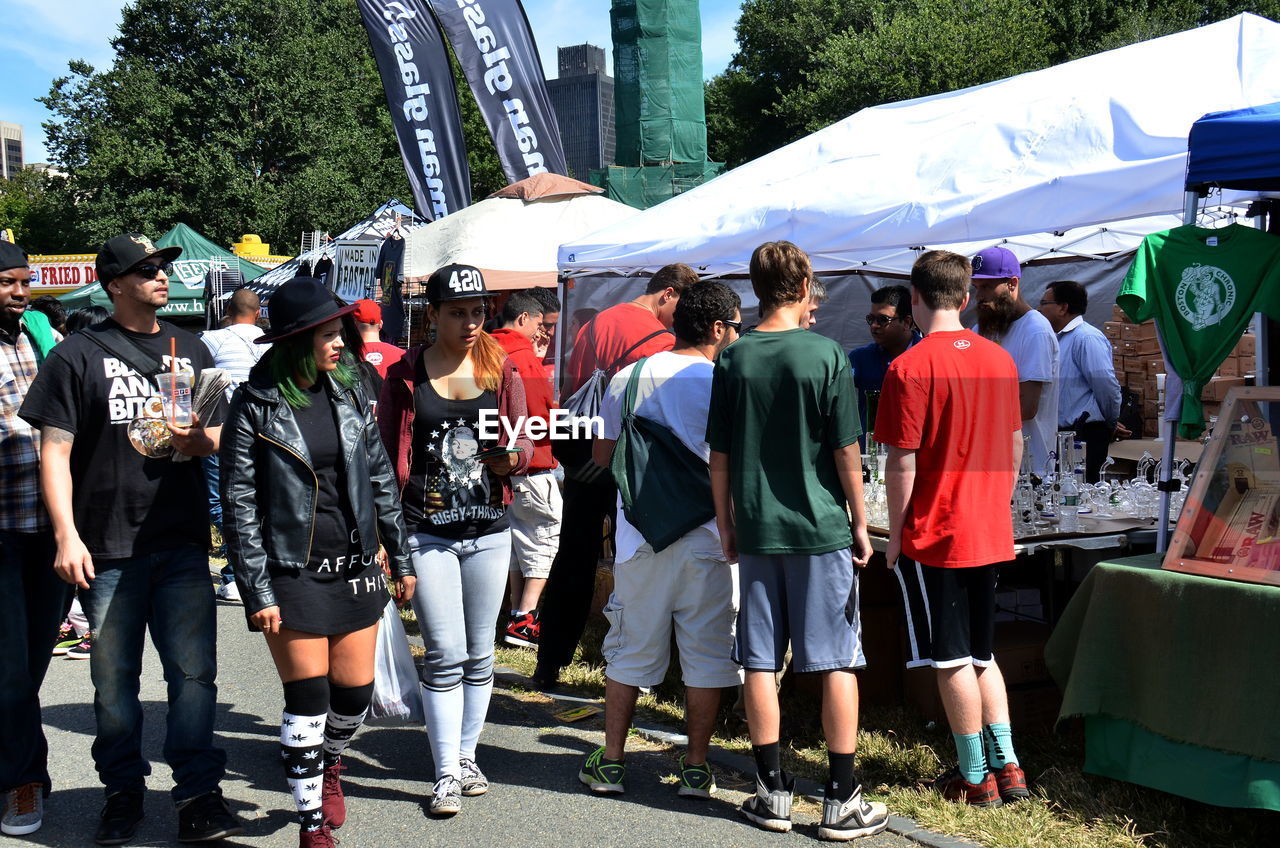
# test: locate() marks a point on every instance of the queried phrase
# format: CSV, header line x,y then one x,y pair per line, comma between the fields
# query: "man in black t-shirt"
x,y
132,532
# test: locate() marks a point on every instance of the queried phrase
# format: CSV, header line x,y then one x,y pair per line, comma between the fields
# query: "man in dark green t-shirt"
x,y
783,430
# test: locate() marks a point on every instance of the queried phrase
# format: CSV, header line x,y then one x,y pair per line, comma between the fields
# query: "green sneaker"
x,y
604,777
695,781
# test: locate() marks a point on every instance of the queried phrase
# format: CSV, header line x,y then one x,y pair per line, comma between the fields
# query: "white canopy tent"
x,y
1078,160
513,235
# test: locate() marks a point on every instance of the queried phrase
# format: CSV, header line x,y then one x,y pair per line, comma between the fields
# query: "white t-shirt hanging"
x,y
674,391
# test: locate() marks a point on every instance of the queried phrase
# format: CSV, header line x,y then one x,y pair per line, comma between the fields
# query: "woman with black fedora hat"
x,y
309,496
439,407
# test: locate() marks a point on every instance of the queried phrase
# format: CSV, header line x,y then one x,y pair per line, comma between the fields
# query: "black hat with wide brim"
x,y
299,305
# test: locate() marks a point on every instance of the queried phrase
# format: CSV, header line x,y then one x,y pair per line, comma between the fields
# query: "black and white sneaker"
x,y
770,810
473,780
446,796
857,817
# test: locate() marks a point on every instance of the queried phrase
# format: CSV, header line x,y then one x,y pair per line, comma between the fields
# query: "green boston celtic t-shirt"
x,y
1202,286
781,403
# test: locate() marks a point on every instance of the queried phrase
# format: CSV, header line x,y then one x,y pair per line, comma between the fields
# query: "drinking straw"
x,y
173,380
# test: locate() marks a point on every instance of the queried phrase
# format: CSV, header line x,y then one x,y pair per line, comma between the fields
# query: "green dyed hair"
x,y
295,356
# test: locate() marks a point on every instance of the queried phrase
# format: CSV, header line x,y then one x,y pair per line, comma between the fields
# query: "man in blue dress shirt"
x,y
892,332
1088,392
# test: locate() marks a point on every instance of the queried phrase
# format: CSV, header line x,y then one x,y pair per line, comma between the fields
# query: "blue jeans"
x,y
169,593
463,583
32,603
211,471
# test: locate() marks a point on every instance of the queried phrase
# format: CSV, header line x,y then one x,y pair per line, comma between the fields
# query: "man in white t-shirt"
x,y
1026,335
686,587
233,351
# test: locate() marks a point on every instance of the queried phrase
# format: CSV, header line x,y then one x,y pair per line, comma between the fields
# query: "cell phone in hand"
x,y
495,452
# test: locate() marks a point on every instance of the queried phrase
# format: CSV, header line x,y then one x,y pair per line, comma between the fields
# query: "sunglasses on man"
x,y
150,272
880,320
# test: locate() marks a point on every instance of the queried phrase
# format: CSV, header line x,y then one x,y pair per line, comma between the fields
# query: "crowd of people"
x,y
342,472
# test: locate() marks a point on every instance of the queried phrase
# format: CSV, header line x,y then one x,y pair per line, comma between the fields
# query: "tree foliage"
x,y
803,64
235,116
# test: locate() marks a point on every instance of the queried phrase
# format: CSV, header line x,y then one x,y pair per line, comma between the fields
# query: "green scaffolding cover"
x,y
657,64
649,185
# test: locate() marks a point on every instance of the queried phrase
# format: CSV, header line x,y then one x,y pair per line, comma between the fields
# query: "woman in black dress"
x,y
309,497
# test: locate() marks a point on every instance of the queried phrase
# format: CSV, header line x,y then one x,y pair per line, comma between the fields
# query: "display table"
x,y
1176,678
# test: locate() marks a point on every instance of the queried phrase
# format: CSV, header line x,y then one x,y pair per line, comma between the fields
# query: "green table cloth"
x,y
1177,678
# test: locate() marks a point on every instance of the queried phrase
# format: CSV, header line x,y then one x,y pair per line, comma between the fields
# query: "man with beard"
x,y
1007,319
132,531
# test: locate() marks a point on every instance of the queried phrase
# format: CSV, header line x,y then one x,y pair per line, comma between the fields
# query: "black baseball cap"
x,y
127,251
455,282
12,256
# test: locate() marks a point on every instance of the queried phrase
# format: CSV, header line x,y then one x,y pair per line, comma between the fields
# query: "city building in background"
x,y
11,159
658,100
583,100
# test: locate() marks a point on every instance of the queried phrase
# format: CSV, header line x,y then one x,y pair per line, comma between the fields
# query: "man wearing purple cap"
x,y
1007,319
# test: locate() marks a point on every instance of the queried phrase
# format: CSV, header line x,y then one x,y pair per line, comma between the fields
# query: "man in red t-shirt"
x,y
612,340
379,354
950,414
535,512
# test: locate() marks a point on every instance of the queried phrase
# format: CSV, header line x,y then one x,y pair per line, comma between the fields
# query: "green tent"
x,y
186,285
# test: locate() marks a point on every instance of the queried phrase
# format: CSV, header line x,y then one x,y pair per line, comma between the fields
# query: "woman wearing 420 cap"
x,y
308,497
455,489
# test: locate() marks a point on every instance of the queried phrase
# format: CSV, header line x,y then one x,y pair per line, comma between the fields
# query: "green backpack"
x,y
665,487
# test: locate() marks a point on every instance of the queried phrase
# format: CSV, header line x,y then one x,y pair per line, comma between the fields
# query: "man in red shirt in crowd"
x,y
535,512
379,354
950,414
615,338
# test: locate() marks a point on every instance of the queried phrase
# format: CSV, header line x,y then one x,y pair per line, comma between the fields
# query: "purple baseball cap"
x,y
995,263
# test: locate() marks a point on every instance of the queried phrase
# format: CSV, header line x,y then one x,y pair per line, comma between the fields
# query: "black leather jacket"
x,y
269,490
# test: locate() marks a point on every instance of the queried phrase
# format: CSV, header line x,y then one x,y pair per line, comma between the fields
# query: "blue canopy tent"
x,y
1239,149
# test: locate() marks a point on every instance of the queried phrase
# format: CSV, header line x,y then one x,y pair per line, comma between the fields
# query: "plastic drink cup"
x,y
175,395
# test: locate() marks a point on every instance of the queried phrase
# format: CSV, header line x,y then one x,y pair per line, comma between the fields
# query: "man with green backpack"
x,y
669,570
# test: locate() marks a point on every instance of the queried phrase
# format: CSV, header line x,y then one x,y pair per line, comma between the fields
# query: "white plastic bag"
x,y
397,698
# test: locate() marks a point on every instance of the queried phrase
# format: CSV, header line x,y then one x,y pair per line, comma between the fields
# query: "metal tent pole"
x,y
1168,427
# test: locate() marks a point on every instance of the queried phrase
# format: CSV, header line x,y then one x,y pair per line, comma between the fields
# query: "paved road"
x,y
531,757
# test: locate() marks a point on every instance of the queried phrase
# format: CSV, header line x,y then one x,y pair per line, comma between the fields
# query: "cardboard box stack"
x,y
1135,353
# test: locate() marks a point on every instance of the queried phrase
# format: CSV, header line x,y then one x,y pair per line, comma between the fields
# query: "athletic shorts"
x,y
950,613
535,515
809,599
686,589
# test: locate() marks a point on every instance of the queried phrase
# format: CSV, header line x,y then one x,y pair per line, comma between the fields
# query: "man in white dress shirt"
x,y
1088,391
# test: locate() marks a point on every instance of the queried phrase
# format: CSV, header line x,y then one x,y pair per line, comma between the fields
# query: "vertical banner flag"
x,y
415,71
494,45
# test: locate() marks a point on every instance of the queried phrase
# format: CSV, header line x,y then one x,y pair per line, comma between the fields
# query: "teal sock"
x,y
973,762
999,739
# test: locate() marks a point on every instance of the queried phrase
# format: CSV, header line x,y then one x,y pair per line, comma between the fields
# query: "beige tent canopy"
x,y
514,234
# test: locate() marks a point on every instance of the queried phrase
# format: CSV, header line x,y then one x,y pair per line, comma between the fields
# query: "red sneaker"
x,y
321,837
332,802
1012,783
954,787
522,631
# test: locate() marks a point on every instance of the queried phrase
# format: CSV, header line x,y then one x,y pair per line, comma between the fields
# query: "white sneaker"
x,y
229,592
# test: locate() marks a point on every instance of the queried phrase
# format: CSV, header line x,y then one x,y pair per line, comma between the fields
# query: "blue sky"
x,y
41,36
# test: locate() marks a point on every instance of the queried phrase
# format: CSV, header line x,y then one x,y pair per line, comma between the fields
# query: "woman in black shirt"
x,y
310,497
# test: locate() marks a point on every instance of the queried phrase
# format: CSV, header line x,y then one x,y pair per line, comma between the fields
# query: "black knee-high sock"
x,y
347,708
768,766
301,745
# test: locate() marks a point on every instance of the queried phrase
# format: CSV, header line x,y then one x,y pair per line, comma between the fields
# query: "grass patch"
x,y
897,751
